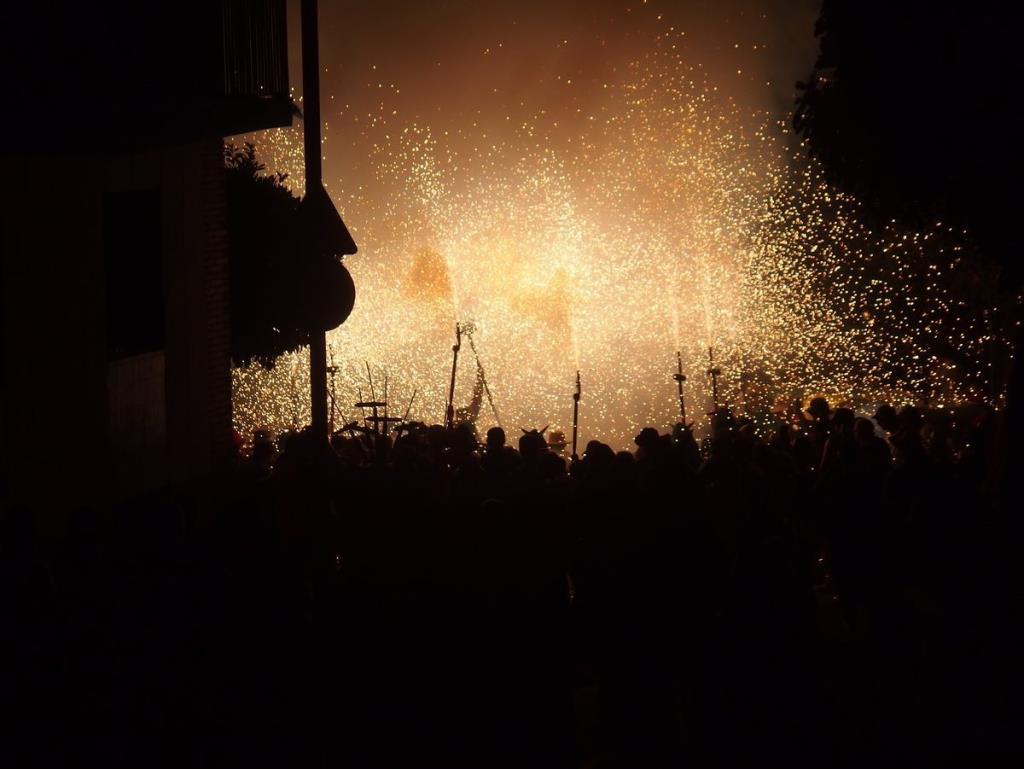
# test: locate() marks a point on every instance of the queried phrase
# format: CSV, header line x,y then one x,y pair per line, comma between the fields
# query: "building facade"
x,y
115,362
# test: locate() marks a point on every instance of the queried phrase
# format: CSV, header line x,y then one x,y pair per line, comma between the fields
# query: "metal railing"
x,y
255,45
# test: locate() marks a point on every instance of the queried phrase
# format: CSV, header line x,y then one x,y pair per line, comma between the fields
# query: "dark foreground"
x,y
825,598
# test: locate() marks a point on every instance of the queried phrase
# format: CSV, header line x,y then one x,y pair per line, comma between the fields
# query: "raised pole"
x,y
314,179
575,416
680,377
449,415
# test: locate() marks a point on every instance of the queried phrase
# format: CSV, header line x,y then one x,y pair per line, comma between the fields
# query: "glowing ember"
x,y
665,219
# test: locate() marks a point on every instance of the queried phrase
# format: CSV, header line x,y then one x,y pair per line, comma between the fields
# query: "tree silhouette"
x,y
264,228
913,107
286,278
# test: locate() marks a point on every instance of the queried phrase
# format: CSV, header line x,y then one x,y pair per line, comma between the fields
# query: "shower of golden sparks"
x,y
665,218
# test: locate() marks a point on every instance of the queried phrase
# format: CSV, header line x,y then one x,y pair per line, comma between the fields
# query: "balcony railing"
x,y
255,45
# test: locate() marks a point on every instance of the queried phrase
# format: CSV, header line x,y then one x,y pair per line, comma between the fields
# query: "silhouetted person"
x,y
495,440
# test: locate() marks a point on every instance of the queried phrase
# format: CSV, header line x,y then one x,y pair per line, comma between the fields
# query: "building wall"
x,y
217,325
64,441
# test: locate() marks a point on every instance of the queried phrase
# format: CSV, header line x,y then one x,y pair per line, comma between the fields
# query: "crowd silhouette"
x,y
818,594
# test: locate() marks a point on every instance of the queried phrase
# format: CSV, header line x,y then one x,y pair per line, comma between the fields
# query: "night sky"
x,y
453,61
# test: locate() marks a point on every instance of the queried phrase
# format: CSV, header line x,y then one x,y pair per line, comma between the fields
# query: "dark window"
x,y
133,273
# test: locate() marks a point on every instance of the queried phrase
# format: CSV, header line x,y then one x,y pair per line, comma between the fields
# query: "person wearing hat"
x,y
647,442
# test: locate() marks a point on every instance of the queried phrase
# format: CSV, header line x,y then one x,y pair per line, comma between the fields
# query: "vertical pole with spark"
x,y
575,416
314,179
449,413
680,377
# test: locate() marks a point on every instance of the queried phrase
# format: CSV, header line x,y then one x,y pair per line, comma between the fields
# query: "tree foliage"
x,y
913,107
264,231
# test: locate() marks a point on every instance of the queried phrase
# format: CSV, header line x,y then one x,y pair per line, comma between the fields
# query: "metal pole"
x,y
314,179
575,416
680,377
450,410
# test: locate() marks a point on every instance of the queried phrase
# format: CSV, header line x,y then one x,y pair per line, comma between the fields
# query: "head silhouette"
x,y
495,439
532,443
818,408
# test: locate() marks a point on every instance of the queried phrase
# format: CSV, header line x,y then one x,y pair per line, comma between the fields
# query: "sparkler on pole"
x,y
680,377
575,416
449,421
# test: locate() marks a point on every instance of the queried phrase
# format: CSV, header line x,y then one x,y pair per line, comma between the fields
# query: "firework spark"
x,y
665,219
